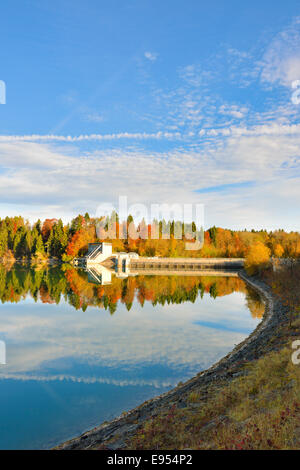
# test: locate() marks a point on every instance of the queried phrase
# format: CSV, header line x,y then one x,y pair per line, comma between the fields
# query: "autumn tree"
x,y
278,250
47,227
257,258
79,242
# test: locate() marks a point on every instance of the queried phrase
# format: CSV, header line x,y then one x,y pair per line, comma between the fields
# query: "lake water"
x,y
82,349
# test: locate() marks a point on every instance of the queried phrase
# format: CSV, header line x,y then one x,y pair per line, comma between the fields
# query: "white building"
x,y
98,252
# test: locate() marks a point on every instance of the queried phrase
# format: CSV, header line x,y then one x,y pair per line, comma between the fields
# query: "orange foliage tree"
x,y
258,258
79,242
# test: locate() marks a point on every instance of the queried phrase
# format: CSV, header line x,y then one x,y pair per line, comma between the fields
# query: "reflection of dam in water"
x,y
101,275
100,263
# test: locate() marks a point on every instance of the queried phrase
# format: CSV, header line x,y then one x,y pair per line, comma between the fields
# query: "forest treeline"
x,y
53,284
53,239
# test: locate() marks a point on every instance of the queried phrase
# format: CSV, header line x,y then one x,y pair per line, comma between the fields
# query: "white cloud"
x,y
281,61
195,102
128,340
43,175
241,55
152,56
195,75
93,117
234,111
90,137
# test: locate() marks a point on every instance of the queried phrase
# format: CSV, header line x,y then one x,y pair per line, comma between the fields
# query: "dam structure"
x,y
124,264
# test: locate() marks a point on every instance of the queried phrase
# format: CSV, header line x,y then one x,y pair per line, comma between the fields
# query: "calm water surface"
x,y
82,349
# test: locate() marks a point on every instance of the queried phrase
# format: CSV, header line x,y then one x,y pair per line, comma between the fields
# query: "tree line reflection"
x,y
52,284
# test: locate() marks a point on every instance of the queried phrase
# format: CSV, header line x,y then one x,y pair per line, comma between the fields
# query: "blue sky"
x,y
165,102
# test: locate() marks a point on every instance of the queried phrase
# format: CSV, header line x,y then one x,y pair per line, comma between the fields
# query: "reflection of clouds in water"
x,y
39,335
92,380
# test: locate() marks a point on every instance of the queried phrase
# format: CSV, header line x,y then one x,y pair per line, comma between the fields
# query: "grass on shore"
x,y
259,409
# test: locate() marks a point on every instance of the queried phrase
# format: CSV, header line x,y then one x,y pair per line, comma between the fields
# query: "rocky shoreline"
x,y
113,435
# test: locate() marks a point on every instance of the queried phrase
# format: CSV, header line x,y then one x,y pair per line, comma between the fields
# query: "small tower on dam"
x,y
98,252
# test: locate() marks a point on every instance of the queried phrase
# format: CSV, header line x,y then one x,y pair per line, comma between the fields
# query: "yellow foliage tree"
x,y
278,250
258,258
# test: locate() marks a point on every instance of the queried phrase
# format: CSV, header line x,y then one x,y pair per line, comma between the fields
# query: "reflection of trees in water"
x,y
49,285
254,303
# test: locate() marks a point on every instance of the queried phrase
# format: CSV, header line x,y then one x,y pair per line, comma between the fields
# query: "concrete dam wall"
x,y
185,264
